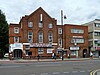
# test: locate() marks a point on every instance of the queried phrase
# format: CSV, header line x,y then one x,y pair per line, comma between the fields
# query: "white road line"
x,y
56,73
82,71
32,74
44,73
74,71
65,72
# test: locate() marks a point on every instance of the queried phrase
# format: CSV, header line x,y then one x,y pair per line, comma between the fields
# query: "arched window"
x,y
50,37
60,42
40,37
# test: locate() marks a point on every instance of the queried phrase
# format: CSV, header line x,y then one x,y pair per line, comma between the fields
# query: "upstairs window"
x,y
77,40
16,39
40,23
97,33
40,18
30,24
50,25
16,30
30,37
60,42
50,37
40,37
59,30
97,25
77,31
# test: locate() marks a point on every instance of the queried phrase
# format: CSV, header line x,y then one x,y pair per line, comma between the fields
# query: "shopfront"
x,y
16,50
74,51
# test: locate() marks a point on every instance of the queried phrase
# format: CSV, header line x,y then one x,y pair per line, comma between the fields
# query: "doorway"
x,y
17,53
99,54
84,53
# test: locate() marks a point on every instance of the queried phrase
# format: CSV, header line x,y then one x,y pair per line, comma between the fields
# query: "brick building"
x,y
76,40
38,34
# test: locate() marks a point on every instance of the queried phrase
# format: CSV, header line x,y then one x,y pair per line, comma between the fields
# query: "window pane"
x,y
77,31
59,30
16,30
40,37
50,25
40,50
50,37
16,39
30,24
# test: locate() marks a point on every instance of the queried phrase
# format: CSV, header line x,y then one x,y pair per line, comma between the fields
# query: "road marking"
x,y
65,72
93,72
82,71
8,66
48,65
56,73
74,71
44,73
32,74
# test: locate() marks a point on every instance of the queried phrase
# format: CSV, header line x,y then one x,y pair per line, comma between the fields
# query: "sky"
x,y
76,11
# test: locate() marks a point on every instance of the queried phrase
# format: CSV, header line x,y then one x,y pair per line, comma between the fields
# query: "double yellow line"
x,y
94,71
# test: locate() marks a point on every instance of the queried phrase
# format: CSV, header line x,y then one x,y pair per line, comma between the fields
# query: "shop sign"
x,y
77,36
74,48
97,48
40,45
18,45
49,50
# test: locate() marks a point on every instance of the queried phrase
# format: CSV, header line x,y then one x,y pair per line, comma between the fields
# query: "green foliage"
x,y
4,37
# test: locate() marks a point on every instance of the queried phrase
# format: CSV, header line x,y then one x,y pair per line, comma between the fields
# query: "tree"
x,y
4,37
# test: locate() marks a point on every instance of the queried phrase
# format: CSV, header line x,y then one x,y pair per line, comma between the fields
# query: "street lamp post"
x,y
62,17
62,34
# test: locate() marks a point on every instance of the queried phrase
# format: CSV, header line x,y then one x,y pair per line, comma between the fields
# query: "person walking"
x,y
52,55
55,56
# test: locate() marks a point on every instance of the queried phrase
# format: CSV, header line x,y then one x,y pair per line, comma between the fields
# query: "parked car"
x,y
6,55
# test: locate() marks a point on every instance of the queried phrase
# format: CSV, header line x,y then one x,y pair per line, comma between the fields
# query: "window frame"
x,y
59,30
16,38
40,50
77,40
50,25
40,37
60,42
50,37
16,30
77,31
30,24
30,37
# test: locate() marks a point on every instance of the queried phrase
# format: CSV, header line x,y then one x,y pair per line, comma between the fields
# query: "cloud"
x,y
77,11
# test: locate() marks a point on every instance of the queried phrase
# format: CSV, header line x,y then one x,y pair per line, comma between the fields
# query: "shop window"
x,y
40,50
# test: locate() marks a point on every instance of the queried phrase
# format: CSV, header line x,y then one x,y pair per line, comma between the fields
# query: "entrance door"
x,y
99,53
17,53
84,53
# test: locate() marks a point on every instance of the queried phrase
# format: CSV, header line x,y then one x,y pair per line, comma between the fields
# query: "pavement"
x,y
51,60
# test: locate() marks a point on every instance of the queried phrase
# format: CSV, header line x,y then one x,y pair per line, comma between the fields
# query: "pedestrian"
x,y
91,54
52,55
55,56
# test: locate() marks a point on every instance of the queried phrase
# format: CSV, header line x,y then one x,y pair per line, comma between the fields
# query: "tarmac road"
x,y
49,68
